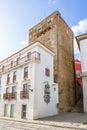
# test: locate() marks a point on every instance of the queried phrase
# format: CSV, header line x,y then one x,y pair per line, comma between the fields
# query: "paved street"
x,y
63,121
11,125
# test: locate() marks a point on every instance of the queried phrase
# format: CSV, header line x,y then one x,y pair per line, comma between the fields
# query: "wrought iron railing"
x,y
6,96
34,56
24,94
9,96
13,95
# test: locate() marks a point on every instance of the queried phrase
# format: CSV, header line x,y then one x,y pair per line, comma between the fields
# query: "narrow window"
x,y
55,78
13,89
7,90
25,87
8,78
39,30
25,72
24,110
17,61
49,22
14,76
47,72
11,63
12,111
28,55
5,109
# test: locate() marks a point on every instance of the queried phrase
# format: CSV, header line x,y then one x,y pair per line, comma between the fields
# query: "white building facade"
x,y
82,43
27,88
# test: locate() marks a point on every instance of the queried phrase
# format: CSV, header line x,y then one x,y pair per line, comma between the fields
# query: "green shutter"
x,y
5,109
24,111
12,110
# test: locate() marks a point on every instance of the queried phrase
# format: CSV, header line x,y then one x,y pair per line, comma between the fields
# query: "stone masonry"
x,y
55,34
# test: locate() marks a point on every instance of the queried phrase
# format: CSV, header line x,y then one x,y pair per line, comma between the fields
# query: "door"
x,y
5,109
23,111
12,110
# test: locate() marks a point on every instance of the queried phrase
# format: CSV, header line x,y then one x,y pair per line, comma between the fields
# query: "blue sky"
x,y
18,16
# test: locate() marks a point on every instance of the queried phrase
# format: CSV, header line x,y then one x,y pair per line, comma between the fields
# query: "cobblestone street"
x,y
63,121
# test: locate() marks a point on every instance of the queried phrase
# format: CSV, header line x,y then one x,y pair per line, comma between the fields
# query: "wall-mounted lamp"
x,y
45,82
29,87
54,84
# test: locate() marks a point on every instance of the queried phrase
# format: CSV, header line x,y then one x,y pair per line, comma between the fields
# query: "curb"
x,y
53,124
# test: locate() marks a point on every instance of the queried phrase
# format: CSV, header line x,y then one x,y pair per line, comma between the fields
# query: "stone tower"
x,y
55,34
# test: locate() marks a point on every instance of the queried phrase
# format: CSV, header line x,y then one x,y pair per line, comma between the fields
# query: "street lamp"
x,y
29,87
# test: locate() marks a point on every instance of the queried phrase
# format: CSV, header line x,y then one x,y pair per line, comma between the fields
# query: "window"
x,y
5,109
25,87
39,30
24,109
18,59
26,72
49,22
12,110
28,55
13,89
8,78
7,90
11,63
55,78
47,72
14,76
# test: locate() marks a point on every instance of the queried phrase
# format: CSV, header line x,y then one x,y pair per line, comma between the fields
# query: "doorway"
x,y
24,111
5,109
12,110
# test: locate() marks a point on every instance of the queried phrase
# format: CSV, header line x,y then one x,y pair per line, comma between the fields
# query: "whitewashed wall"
x,y
36,106
83,49
41,108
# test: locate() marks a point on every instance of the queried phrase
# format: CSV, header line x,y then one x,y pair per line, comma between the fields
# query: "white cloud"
x,y
54,1
76,50
80,28
51,1
24,42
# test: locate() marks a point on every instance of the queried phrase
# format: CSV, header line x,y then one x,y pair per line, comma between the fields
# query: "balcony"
x,y
14,78
25,75
8,80
6,96
13,95
24,94
9,96
34,56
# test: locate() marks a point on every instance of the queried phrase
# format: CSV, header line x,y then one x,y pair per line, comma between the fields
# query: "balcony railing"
x,y
25,75
14,78
34,56
13,95
9,96
24,94
6,96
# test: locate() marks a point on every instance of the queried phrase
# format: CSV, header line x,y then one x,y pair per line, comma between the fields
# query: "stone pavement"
x,y
63,121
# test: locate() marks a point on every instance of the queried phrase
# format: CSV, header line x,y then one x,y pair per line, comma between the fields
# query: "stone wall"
x,y
55,34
